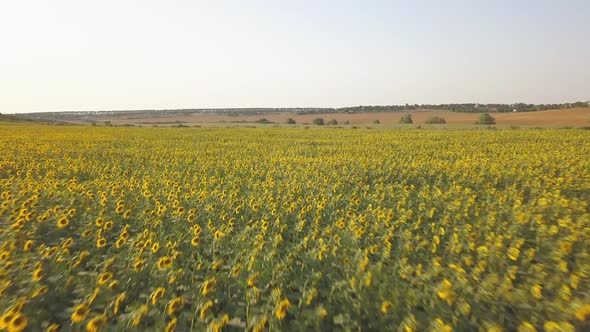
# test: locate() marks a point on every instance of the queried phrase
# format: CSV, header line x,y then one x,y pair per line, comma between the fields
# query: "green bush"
x,y
486,119
406,118
318,122
291,121
332,122
436,120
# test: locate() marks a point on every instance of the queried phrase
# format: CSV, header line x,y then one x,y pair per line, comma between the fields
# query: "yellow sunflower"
x,y
80,313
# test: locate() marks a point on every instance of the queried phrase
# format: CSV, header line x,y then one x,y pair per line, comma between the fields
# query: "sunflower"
x,y
191,217
513,253
93,295
118,302
80,313
52,328
252,279
164,262
195,241
28,245
63,222
120,242
537,291
114,284
96,323
583,313
156,247
6,319
208,285
38,274
158,294
100,243
18,323
67,243
138,265
124,235
171,326
104,277
108,225
385,306
260,325
139,315
235,272
174,305
281,310
39,291
204,308
216,265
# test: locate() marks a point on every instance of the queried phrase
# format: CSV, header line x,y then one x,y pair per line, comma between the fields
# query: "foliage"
x,y
332,122
436,120
318,121
406,118
486,119
238,228
291,121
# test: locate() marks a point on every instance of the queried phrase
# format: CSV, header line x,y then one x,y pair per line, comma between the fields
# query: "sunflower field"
x,y
268,229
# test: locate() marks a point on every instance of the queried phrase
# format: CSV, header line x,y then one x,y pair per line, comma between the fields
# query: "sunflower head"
x,y
18,323
63,222
174,305
80,313
100,243
208,285
96,323
104,277
158,294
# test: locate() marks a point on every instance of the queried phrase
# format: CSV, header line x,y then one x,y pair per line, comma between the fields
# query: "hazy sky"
x,y
96,55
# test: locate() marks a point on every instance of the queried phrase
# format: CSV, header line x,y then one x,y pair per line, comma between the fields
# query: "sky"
x,y
78,55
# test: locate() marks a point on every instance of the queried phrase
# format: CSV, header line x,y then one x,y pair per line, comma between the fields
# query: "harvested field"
x,y
572,117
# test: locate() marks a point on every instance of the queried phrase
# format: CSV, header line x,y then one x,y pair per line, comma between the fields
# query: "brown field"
x,y
571,117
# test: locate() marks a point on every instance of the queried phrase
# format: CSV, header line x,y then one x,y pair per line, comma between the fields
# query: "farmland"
x,y
185,229
551,118
556,118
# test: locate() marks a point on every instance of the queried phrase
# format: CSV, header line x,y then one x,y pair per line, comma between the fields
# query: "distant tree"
x,y
108,123
406,118
436,120
346,122
263,121
318,122
376,121
486,119
332,122
291,121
